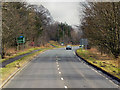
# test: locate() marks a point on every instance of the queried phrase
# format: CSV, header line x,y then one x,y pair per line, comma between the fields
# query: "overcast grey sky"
x,y
63,11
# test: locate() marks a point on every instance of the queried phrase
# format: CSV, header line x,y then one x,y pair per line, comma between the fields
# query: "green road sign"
x,y
21,39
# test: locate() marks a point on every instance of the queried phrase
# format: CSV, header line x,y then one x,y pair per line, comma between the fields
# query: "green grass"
x,y
110,68
19,53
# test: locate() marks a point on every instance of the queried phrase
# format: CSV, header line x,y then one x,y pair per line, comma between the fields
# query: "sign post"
x,y
84,43
20,40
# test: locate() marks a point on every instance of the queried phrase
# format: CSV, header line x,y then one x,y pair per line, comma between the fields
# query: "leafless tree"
x,y
101,25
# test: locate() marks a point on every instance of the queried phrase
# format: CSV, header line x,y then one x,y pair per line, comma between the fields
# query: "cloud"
x,y
63,11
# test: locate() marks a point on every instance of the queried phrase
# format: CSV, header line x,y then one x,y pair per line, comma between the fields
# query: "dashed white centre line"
x,y
59,69
57,65
59,72
62,79
65,87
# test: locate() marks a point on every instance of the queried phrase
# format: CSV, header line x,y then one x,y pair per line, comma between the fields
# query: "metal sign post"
x,y
21,40
84,43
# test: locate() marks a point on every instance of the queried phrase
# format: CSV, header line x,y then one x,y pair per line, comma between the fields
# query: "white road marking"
x,y
58,69
62,78
78,58
100,74
14,74
59,72
74,53
57,65
65,87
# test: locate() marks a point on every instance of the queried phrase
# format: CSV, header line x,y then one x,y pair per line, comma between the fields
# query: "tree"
x,y
12,23
0,31
101,25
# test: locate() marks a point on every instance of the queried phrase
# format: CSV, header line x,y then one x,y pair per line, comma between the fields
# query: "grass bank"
x,y
21,53
104,62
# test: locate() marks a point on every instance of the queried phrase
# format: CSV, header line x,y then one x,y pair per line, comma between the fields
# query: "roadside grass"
x,y
56,44
12,67
109,65
21,53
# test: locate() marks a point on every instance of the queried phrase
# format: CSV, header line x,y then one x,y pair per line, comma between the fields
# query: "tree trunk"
x,y
0,31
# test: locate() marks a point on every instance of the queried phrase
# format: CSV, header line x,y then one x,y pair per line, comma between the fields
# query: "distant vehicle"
x,y
68,47
62,44
81,46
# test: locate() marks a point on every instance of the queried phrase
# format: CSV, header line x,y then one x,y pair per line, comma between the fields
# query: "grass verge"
x,y
107,65
20,53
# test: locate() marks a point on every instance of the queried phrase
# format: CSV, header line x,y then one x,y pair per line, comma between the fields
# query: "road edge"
x,y
111,77
18,70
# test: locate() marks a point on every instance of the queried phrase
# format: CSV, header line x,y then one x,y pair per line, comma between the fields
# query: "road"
x,y
58,68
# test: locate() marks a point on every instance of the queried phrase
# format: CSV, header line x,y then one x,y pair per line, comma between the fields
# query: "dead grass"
x,y
103,61
11,52
104,57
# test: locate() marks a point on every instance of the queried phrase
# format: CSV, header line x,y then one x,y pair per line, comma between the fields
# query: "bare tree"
x,y
0,30
101,25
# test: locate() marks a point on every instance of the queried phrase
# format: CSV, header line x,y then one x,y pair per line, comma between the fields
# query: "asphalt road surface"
x,y
58,68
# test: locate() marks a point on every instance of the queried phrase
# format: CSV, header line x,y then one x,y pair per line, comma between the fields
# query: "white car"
x,y
68,47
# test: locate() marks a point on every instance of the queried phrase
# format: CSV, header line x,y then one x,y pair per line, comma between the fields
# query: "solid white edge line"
x,y
17,72
13,75
74,53
100,74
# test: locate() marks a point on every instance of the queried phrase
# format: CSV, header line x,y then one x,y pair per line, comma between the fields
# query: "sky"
x,y
68,12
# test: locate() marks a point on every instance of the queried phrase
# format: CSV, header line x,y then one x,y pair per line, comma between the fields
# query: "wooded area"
x,y
101,25
22,19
